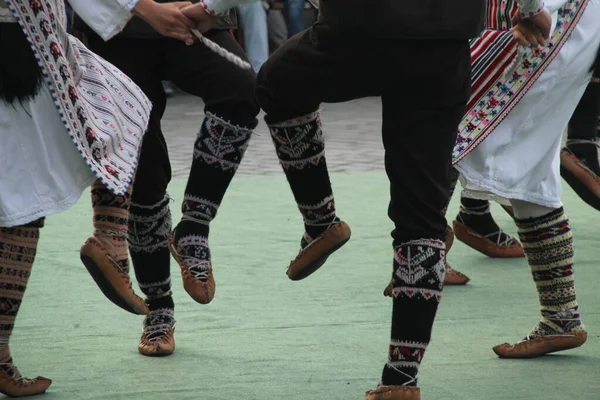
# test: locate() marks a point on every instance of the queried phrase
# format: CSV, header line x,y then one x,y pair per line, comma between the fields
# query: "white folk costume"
x,y
509,144
78,123
87,121
522,116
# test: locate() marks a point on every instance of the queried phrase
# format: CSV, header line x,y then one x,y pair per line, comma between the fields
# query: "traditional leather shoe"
x,y
541,345
20,387
484,245
583,180
110,277
158,347
454,277
313,256
201,290
388,291
394,393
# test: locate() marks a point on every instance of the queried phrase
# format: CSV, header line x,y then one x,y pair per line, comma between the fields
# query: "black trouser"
x,y
584,122
226,90
424,87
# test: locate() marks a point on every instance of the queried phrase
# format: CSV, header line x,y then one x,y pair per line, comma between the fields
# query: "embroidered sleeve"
x,y
105,17
530,8
218,7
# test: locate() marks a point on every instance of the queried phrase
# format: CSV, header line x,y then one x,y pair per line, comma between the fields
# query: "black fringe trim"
x,y
21,77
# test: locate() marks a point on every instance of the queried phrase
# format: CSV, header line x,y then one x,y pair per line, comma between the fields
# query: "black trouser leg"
x,y
422,106
150,219
224,135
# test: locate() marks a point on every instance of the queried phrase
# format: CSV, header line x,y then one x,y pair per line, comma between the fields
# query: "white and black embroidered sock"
x,y
418,279
158,322
218,152
300,147
149,229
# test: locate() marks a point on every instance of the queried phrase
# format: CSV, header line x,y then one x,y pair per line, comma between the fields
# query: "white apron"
x,y
87,122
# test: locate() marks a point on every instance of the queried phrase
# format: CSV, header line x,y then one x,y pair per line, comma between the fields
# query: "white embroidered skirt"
x,y
521,158
41,170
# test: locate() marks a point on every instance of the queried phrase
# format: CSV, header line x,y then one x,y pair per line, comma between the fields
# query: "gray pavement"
x,y
353,134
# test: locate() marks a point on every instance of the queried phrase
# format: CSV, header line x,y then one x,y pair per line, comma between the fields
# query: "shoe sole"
x,y
12,388
318,263
580,188
543,349
156,355
106,288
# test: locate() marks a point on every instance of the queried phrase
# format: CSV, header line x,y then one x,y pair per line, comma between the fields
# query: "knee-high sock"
x,y
218,152
418,279
18,247
149,229
548,245
300,147
111,215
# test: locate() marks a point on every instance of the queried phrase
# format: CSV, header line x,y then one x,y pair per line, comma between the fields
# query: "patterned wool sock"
x,y
476,215
548,245
158,322
300,147
218,152
149,229
18,247
418,279
111,214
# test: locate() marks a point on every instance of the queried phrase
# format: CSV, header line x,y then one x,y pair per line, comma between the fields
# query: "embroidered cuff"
x,y
531,8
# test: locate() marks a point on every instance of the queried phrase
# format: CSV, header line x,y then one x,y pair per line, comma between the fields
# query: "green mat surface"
x,y
267,338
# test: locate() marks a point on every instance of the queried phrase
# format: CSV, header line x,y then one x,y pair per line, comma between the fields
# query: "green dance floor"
x,y
267,338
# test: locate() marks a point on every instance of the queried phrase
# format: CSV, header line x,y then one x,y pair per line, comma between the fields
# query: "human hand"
x,y
202,20
543,22
533,30
167,18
